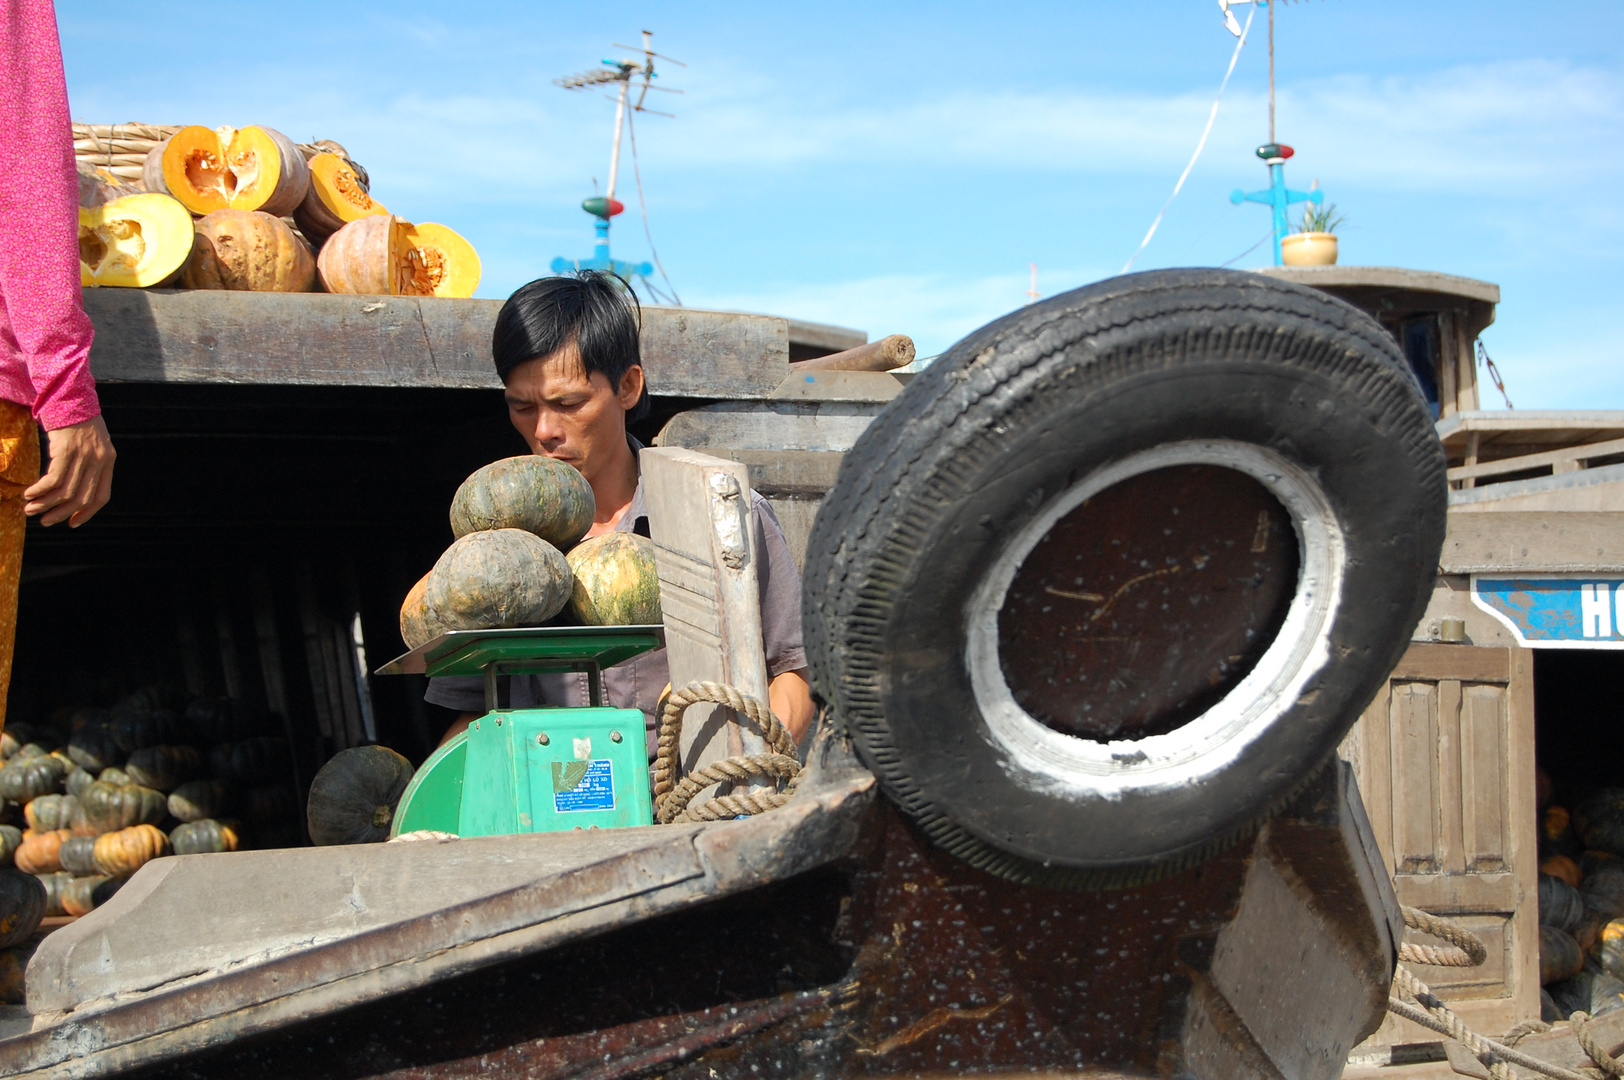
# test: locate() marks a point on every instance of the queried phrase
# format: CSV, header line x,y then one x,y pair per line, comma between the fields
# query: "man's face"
x,y
567,414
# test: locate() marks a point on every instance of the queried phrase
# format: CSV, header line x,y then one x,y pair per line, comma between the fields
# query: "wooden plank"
x,y
770,425
1557,459
1533,542
1485,826
319,339
824,336
1433,661
842,386
702,524
781,474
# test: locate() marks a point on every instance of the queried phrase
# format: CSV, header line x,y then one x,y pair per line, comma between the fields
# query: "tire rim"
x,y
1068,766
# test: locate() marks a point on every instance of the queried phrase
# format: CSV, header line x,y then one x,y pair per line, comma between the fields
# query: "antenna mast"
x,y
603,207
1277,195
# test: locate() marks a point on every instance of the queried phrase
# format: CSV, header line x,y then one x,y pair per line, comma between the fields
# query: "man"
x,y
44,332
566,349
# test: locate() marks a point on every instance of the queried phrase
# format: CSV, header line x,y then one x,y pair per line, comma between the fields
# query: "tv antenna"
x,y
1277,195
630,74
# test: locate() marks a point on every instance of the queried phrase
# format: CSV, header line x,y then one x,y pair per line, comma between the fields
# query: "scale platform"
x,y
532,770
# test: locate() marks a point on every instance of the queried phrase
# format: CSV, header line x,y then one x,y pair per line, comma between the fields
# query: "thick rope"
x,y
1433,1014
1587,1042
672,797
1468,950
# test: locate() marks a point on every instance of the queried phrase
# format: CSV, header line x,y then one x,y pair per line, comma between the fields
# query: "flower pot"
x,y
1308,249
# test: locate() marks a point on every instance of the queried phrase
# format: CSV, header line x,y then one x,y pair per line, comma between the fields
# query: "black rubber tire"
x,y
978,444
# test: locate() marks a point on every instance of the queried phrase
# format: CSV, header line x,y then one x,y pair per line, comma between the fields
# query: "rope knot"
x,y
672,797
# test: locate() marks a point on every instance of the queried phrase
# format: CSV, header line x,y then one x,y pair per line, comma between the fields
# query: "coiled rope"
x,y
672,797
1466,950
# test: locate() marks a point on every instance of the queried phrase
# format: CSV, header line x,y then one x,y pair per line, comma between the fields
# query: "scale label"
x,y
1551,612
583,785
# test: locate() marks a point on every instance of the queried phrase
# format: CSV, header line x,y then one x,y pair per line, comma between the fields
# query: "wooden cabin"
x,y
1447,754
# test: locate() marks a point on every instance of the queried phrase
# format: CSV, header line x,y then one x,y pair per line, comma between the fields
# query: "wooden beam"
x,y
1533,542
319,339
1568,456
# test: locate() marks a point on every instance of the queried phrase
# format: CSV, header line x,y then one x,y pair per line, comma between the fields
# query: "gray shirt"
x,y
637,683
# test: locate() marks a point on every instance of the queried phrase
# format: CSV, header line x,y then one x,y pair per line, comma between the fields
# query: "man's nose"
x,y
549,432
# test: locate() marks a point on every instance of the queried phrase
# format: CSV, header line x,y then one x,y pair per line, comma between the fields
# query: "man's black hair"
x,y
589,308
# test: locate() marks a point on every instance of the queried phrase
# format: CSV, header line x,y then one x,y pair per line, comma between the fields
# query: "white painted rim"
x,y
1048,762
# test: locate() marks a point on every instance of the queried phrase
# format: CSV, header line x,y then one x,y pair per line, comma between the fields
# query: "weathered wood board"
x,y
703,527
323,339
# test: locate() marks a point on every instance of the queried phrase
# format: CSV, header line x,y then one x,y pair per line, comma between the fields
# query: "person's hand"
x,y
80,478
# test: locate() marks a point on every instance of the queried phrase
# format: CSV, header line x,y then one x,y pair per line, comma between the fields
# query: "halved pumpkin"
x,y
134,242
251,168
337,196
248,251
387,255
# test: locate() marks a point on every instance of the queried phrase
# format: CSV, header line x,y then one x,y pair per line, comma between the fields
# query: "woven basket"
x,y
122,149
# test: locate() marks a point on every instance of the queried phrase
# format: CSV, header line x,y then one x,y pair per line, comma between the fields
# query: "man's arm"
x,y
790,697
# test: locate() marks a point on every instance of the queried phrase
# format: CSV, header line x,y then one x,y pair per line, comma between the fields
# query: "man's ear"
x,y
631,387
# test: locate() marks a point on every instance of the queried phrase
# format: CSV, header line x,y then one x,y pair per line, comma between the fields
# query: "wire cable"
x,y
642,207
1200,146
1261,241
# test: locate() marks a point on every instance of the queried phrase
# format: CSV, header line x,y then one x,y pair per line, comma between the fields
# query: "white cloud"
x,y
935,310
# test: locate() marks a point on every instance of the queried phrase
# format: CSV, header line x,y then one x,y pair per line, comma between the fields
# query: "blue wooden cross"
x,y
1277,195
603,209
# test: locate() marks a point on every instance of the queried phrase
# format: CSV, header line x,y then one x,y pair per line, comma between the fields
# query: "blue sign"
x,y
1556,612
583,785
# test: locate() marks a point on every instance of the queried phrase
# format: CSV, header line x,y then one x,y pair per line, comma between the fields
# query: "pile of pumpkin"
x,y
149,777
270,216
1581,905
519,559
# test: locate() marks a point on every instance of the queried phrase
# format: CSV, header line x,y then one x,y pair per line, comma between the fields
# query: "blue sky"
x,y
897,167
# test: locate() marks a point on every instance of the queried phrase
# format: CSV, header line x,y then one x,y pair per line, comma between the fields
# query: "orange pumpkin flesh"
x,y
135,241
387,255
336,197
251,168
248,251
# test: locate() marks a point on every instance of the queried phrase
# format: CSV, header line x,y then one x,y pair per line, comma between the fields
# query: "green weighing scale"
x,y
545,769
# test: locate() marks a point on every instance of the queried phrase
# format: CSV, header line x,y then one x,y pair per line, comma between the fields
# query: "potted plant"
x,y
1314,242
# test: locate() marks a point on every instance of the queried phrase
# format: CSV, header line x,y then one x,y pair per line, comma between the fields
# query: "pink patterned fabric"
x,y
44,332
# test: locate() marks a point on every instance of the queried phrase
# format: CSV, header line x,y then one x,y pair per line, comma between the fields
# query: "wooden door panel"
x,y
1484,824
1444,757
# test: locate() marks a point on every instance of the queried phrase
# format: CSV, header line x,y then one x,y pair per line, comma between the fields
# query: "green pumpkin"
x,y
23,901
54,883
199,799
77,781
79,895
499,578
10,837
353,797
219,720
535,493
114,776
92,748
252,762
76,855
13,968
25,778
104,892
48,812
111,807
275,802
615,581
204,837
164,768
137,730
